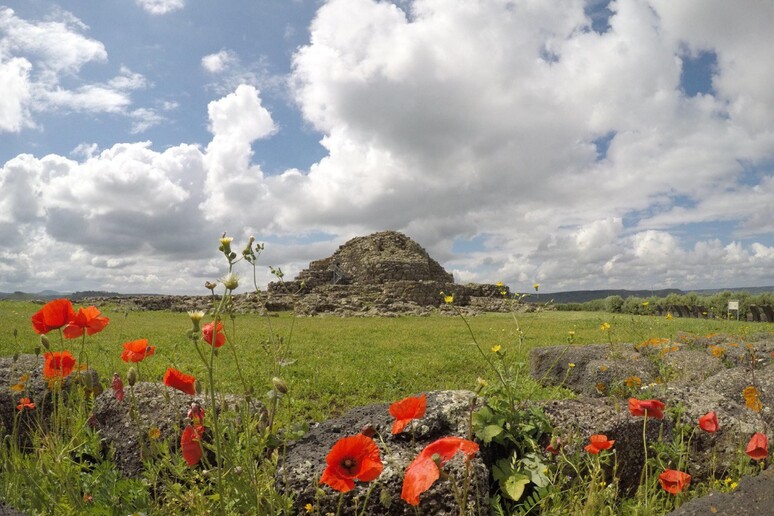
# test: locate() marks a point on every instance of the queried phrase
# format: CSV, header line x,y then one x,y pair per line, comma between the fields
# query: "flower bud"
x,y
15,333
279,385
230,281
368,430
131,376
37,350
198,386
196,317
44,342
210,285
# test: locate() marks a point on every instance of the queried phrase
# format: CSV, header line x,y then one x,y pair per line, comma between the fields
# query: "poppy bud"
x,y
15,333
198,387
131,376
37,350
15,356
279,385
368,430
44,342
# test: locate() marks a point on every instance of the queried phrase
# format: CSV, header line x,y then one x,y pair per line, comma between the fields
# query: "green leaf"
x,y
513,486
489,432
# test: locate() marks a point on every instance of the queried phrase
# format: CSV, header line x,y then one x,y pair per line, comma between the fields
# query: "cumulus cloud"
x,y
37,59
571,156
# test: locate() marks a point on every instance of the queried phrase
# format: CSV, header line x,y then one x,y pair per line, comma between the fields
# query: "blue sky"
x,y
578,144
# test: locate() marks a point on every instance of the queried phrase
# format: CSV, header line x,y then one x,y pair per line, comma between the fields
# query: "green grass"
x,y
333,365
344,362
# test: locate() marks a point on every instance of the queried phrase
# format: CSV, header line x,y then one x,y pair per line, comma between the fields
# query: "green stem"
x,y
645,445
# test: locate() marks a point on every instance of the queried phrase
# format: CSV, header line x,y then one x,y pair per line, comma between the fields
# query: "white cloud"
x,y
446,120
37,60
220,61
14,102
161,6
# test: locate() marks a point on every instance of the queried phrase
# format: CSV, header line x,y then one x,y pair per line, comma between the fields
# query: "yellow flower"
x,y
154,433
717,351
605,326
571,332
496,348
603,368
570,365
499,284
727,480
734,485
645,303
751,398
309,507
669,315
448,299
536,286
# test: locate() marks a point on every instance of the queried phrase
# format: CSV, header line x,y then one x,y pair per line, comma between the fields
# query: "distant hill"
x,y
582,296
47,295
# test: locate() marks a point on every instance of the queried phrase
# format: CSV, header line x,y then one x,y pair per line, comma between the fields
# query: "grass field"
x,y
339,363
330,365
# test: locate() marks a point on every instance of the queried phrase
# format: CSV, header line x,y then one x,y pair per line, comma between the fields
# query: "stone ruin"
x,y
385,273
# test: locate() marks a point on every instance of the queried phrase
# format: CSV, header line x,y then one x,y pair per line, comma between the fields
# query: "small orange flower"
x,y
352,458
407,409
633,381
180,381
674,481
25,403
52,316
709,422
717,351
58,364
598,443
190,444
758,447
137,350
751,398
648,408
86,320
207,331
423,470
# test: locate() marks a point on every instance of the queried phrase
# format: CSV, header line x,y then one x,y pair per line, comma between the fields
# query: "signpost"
x,y
734,305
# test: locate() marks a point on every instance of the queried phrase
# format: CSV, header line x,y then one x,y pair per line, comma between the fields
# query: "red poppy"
x,y
88,320
599,442
407,409
25,403
709,422
180,381
423,470
674,481
118,387
208,330
58,364
190,444
53,315
354,457
758,447
648,408
137,350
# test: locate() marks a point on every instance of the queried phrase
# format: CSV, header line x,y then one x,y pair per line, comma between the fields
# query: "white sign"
x,y
733,305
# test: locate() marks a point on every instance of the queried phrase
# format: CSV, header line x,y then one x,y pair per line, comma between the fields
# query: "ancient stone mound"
x,y
385,273
376,259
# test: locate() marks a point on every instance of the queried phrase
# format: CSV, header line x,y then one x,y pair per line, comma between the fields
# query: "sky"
x,y
579,144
